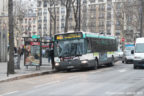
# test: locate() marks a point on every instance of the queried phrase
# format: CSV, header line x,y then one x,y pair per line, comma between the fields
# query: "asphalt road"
x,y
119,80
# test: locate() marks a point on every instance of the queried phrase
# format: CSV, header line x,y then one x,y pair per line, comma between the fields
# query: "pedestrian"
x,y
19,51
52,58
43,52
18,59
15,49
48,55
22,51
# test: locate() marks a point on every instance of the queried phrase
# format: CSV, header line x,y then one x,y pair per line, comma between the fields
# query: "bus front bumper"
x,y
75,64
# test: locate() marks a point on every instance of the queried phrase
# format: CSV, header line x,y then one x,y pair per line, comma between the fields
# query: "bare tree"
x,y
75,11
11,38
53,16
142,18
68,6
128,15
20,11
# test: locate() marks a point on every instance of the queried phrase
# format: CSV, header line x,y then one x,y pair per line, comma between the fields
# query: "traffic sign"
x,y
123,39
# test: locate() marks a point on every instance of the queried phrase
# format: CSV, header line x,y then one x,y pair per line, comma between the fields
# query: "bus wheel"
x,y
68,70
123,62
134,67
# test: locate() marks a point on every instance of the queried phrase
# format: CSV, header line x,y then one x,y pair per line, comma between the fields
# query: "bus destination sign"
x,y
68,36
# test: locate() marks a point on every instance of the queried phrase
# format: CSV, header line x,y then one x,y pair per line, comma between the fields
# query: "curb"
x,y
27,76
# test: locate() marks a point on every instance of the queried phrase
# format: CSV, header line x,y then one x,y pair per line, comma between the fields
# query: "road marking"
x,y
9,93
122,70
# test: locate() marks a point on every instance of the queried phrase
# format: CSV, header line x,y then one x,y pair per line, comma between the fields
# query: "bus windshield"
x,y
70,48
139,48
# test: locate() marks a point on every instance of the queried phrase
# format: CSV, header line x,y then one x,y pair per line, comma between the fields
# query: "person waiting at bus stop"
x,y
48,55
52,58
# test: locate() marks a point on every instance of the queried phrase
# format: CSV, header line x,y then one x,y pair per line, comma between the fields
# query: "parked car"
x,y
128,56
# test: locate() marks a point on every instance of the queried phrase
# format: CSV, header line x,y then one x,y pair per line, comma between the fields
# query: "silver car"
x,y
127,56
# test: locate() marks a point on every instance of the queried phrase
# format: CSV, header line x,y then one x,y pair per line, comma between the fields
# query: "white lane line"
x,y
123,70
46,84
9,93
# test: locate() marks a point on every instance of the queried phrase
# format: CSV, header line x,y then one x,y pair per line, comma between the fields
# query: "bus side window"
x,y
89,46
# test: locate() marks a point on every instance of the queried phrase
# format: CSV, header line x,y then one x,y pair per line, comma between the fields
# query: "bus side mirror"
x,y
132,52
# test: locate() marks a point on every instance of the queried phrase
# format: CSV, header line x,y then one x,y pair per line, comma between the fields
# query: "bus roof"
x,y
96,35
89,34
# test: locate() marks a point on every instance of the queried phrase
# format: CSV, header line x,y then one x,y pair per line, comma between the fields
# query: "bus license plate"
x,y
70,66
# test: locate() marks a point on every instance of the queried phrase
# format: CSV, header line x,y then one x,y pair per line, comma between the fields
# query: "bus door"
x,y
103,57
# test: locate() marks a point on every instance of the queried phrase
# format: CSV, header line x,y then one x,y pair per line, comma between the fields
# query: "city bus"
x,y
78,50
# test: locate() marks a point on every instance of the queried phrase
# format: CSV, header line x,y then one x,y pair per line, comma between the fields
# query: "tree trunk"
x,y
11,38
68,11
66,23
142,19
55,26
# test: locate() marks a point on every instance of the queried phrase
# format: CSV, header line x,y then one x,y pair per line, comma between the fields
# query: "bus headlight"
x,y
56,64
84,62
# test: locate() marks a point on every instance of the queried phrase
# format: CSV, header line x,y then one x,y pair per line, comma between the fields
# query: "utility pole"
x,y
10,68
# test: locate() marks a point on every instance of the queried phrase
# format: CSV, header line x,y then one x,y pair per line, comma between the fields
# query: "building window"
x,y
118,23
109,0
117,32
101,7
101,23
108,6
101,15
45,3
101,0
84,1
39,3
108,23
25,20
109,15
92,1
108,31
34,20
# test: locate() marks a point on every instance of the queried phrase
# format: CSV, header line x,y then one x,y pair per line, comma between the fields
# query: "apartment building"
x,y
3,29
99,16
43,18
25,20
3,7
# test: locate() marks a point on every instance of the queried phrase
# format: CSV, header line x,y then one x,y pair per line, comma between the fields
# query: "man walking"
x,y
52,58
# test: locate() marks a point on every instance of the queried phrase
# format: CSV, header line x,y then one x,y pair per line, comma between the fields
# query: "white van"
x,y
139,53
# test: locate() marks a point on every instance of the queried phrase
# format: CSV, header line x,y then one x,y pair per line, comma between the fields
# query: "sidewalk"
x,y
23,72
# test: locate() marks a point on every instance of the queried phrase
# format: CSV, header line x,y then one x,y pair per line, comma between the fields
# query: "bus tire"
x,y
122,61
68,70
134,67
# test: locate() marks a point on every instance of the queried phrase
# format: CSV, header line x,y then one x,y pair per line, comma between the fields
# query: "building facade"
x,y
99,16
3,30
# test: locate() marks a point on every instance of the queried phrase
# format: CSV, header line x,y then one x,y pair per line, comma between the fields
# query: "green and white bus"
x,y
77,50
